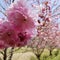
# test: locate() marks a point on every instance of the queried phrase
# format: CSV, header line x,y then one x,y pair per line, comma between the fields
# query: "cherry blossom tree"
x,y
17,31
48,29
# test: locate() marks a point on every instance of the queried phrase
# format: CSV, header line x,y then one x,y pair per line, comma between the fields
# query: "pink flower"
x,y
20,27
7,34
2,44
23,39
18,15
49,35
9,37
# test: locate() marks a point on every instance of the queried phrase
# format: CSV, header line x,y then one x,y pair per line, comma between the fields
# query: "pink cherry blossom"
x,y
18,15
7,34
48,30
9,37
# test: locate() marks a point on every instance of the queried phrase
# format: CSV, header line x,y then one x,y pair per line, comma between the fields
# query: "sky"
x,y
5,6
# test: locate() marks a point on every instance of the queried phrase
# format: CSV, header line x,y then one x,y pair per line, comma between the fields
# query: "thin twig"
x,y
2,7
6,1
13,0
56,15
3,13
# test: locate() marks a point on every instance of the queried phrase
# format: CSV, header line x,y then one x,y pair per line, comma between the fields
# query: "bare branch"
x,y
2,7
55,15
3,13
57,8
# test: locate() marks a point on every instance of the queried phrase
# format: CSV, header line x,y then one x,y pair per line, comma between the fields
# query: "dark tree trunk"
x,y
5,54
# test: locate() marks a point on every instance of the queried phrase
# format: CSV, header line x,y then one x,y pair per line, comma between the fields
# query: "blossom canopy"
x,y
18,15
9,37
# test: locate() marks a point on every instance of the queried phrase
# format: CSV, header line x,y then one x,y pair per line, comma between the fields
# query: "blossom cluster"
x,y
19,28
48,30
27,20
